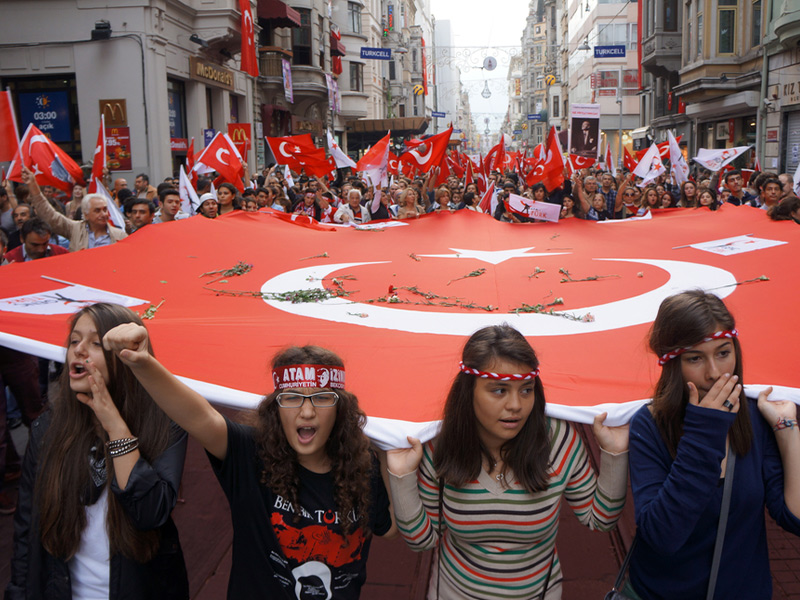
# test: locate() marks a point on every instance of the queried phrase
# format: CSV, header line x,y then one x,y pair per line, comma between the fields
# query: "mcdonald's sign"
x,y
241,136
115,112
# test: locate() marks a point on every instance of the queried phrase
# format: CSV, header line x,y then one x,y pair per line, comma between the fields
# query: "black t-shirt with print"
x,y
276,556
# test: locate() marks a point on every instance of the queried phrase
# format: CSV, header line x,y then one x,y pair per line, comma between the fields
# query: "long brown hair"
x,y
458,451
684,320
63,483
347,447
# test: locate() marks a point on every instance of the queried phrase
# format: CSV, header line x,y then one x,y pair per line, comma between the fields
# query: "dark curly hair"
x,y
347,447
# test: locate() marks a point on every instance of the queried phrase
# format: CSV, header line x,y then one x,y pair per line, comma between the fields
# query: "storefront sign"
x,y
609,51
115,111
791,93
772,134
438,115
49,111
241,136
206,72
312,126
609,80
118,148
179,144
376,53
208,135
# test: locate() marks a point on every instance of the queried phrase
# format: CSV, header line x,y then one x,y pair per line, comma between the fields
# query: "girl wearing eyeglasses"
x,y
304,488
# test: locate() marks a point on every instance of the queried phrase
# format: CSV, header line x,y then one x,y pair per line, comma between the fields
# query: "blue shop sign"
x,y
377,53
609,51
49,111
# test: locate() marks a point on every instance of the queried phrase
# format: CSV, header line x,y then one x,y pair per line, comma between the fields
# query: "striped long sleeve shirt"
x,y
498,538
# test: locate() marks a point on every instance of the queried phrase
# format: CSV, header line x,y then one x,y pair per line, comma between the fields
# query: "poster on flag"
x,y
63,300
118,149
361,295
584,129
737,245
288,92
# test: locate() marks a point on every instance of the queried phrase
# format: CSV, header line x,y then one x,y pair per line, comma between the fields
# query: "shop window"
x,y
176,103
699,44
392,71
301,39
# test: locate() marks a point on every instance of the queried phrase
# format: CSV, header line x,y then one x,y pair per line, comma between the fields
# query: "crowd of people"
x,y
108,428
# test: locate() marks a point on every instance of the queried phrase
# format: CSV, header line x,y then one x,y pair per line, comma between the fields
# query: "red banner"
x,y
118,148
363,297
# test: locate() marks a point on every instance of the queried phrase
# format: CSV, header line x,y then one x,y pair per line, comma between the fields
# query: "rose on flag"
x,y
49,163
9,136
594,340
222,156
433,155
249,58
714,160
99,160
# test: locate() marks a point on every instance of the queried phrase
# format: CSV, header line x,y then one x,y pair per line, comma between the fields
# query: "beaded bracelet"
x,y
123,450
112,444
784,423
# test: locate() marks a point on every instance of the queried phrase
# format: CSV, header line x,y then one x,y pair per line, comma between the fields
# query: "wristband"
x,y
113,444
784,423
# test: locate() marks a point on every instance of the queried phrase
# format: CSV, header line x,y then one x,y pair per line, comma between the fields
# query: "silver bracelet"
x,y
112,444
125,449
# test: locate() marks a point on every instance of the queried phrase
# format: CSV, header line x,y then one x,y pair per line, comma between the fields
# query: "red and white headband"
x,y
728,333
308,376
499,376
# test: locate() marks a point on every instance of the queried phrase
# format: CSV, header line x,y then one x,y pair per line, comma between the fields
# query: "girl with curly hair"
x,y
305,490
487,491
99,481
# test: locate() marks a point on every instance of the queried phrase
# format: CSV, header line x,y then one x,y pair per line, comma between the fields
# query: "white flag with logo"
x,y
680,170
342,160
543,211
714,160
650,166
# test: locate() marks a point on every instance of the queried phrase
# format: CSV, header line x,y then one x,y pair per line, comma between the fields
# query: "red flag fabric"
x,y
299,153
231,338
470,177
550,170
49,163
9,136
190,162
455,167
99,160
663,149
610,166
376,156
581,162
249,58
486,201
394,163
221,156
496,157
435,150
628,161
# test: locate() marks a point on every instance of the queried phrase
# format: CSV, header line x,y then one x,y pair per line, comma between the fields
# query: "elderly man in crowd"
x,y
92,232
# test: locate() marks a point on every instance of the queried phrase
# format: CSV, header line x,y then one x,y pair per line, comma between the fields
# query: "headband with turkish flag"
x,y
314,284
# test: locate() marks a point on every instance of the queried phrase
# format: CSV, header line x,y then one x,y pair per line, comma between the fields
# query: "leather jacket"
x,y
148,499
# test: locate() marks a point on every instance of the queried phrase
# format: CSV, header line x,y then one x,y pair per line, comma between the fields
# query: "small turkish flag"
x,y
99,161
222,156
49,163
629,161
249,59
435,151
299,153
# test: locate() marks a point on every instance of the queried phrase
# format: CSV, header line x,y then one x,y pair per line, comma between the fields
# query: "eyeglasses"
x,y
318,399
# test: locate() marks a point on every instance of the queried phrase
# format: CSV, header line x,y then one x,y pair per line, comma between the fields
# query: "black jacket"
x,y
148,499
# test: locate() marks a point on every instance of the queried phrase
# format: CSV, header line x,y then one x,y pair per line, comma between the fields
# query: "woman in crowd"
x,y
442,199
99,482
305,490
228,198
407,204
787,209
707,197
279,199
570,209
471,202
73,207
689,195
489,487
681,444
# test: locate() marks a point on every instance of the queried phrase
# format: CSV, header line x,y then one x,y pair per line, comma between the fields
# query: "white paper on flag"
x,y
342,160
114,213
714,160
543,211
64,300
680,170
650,166
736,245
189,200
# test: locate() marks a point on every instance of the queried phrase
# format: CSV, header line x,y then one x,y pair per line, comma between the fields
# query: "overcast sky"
x,y
492,28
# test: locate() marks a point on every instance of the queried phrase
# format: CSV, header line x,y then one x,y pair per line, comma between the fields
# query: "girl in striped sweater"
x,y
488,489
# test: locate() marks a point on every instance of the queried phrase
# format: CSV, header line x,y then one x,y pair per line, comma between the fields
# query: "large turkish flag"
x,y
402,354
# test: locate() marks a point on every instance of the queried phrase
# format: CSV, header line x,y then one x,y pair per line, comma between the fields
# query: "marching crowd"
x,y
307,490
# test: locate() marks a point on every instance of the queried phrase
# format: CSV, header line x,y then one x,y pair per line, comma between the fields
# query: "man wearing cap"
x,y
208,206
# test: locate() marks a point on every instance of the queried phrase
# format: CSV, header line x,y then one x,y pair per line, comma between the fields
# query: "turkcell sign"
x,y
438,115
534,117
377,53
609,51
